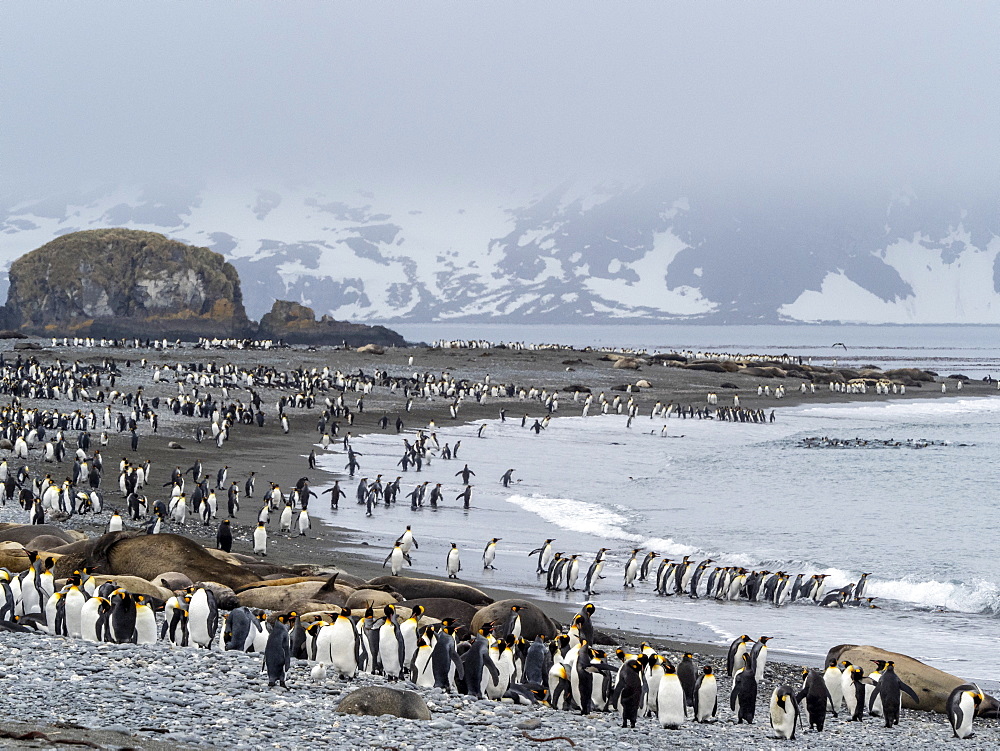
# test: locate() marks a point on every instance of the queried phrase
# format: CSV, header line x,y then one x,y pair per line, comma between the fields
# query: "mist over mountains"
x,y
566,253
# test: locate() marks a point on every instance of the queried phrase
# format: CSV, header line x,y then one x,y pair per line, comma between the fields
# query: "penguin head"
x,y
708,670
765,639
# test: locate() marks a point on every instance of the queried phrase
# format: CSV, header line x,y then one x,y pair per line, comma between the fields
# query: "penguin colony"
x,y
567,673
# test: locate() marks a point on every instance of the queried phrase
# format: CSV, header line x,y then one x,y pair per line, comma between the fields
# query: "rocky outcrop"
x,y
296,324
126,283
105,282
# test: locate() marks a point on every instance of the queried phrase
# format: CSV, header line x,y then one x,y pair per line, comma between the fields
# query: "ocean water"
x,y
922,520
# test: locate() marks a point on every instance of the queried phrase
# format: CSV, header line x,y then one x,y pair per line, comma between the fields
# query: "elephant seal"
x,y
45,542
362,598
933,686
285,598
25,533
281,582
148,556
375,701
533,620
446,607
413,588
13,557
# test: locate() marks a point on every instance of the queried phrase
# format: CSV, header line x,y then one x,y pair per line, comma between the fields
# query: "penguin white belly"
x,y
324,644
833,679
74,605
708,695
783,720
408,629
670,702
388,652
964,728
876,707
145,625
342,652
260,635
653,688
505,666
422,667
89,614
198,615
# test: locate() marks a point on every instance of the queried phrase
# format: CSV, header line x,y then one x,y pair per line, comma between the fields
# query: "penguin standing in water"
x,y
544,554
629,692
594,572
784,712
817,696
278,652
743,698
632,568
706,696
890,688
963,703
490,553
453,564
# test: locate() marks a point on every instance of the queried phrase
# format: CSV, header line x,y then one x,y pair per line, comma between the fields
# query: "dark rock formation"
x,y
105,282
296,324
126,283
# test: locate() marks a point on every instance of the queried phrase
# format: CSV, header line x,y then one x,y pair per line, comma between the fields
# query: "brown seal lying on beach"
x,y
148,556
533,620
379,700
412,588
933,686
25,533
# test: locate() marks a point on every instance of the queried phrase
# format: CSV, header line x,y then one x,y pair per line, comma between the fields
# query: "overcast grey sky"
x,y
466,93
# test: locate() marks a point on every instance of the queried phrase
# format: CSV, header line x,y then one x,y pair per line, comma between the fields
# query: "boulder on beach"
x,y
375,701
933,686
533,620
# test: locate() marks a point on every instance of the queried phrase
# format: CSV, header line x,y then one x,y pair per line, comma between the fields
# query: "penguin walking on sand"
x,y
490,553
453,564
260,539
963,703
784,712
303,522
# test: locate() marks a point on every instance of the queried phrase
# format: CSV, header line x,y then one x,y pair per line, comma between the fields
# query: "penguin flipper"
x,y
492,667
913,694
457,661
871,701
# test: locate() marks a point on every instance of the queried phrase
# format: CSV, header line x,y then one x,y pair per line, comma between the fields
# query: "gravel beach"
x,y
159,694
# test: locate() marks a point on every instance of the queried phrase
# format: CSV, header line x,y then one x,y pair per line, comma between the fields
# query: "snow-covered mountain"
x,y
565,254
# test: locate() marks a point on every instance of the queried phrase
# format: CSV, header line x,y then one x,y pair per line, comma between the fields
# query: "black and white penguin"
x,y
475,660
145,621
446,665
122,617
833,679
891,688
758,657
628,691
544,554
203,617
670,704
339,643
854,694
632,568
963,703
278,652
453,563
594,572
396,557
817,695
224,537
687,673
743,698
391,648
260,539
304,523
706,696
734,660
784,712
490,553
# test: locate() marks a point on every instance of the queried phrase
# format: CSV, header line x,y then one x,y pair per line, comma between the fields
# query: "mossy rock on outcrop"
x,y
295,323
121,282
